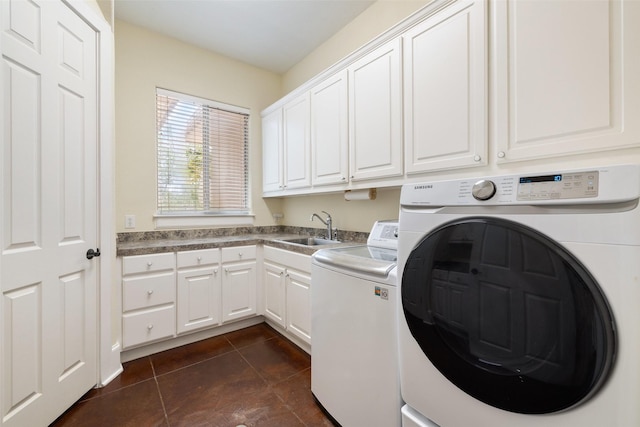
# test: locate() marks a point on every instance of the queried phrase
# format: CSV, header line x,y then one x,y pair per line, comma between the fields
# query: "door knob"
x,y
91,253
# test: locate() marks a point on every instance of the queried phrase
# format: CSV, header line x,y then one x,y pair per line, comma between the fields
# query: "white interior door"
x,y
48,214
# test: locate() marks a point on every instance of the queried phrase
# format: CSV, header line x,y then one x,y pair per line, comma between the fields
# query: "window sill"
x,y
199,221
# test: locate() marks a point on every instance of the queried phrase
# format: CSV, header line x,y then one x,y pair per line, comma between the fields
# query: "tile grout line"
x,y
270,387
164,408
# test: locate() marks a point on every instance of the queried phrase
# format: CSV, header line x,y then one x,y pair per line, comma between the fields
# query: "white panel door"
x,y
445,89
375,114
565,77
48,212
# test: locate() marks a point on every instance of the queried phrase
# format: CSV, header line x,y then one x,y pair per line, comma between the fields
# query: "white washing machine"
x,y
520,299
354,356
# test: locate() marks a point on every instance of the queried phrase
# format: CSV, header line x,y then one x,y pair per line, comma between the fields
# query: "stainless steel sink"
x,y
309,241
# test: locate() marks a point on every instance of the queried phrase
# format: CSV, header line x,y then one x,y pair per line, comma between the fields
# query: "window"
x,y
202,156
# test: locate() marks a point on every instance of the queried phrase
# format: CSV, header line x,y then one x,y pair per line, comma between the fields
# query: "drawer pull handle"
x,y
240,255
149,264
199,259
215,271
226,270
150,292
149,326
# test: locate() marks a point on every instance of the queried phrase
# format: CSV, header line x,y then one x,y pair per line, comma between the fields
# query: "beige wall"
x,y
354,215
145,60
375,20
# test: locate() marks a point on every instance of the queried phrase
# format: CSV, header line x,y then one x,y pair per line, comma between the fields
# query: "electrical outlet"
x,y
129,221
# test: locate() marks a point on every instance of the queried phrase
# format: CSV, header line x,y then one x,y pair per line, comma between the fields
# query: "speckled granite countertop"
x,y
153,242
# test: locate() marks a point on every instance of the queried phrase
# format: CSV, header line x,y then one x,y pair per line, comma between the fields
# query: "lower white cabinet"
x,y
239,285
198,290
274,292
287,291
169,294
148,298
299,304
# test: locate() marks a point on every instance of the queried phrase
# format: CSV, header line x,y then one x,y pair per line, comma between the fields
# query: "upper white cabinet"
x,y
297,142
375,113
330,131
272,152
445,89
286,146
565,77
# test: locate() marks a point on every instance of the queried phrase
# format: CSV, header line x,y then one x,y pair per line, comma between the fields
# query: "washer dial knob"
x,y
483,189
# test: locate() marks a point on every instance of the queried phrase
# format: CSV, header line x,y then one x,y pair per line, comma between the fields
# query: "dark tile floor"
x,y
250,377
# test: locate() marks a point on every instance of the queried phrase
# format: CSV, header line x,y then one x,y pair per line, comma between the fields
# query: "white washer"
x,y
354,358
519,299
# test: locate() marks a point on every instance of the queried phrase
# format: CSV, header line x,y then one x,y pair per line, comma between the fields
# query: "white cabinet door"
x,y
330,131
445,89
274,293
198,299
198,294
297,142
565,77
272,152
48,215
238,290
375,114
299,304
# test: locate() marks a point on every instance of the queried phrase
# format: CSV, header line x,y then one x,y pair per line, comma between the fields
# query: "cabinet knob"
x,y
150,292
199,259
240,255
215,271
150,326
477,158
501,154
149,264
226,270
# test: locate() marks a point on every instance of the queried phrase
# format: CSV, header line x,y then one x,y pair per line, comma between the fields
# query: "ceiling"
x,y
270,34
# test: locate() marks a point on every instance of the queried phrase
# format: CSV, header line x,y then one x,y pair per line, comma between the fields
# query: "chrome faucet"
x,y
328,223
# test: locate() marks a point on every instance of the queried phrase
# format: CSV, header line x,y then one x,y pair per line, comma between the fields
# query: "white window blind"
x,y
202,155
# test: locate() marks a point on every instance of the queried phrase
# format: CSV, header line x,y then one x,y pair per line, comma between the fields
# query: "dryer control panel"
x,y
598,185
558,186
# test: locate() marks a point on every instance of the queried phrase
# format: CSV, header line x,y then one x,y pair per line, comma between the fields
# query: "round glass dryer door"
x,y
508,315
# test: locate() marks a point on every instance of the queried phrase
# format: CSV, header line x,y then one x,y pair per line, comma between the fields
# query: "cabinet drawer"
x,y
198,258
148,326
238,253
147,291
148,263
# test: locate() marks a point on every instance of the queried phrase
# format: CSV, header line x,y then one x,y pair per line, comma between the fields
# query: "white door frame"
x,y
109,365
